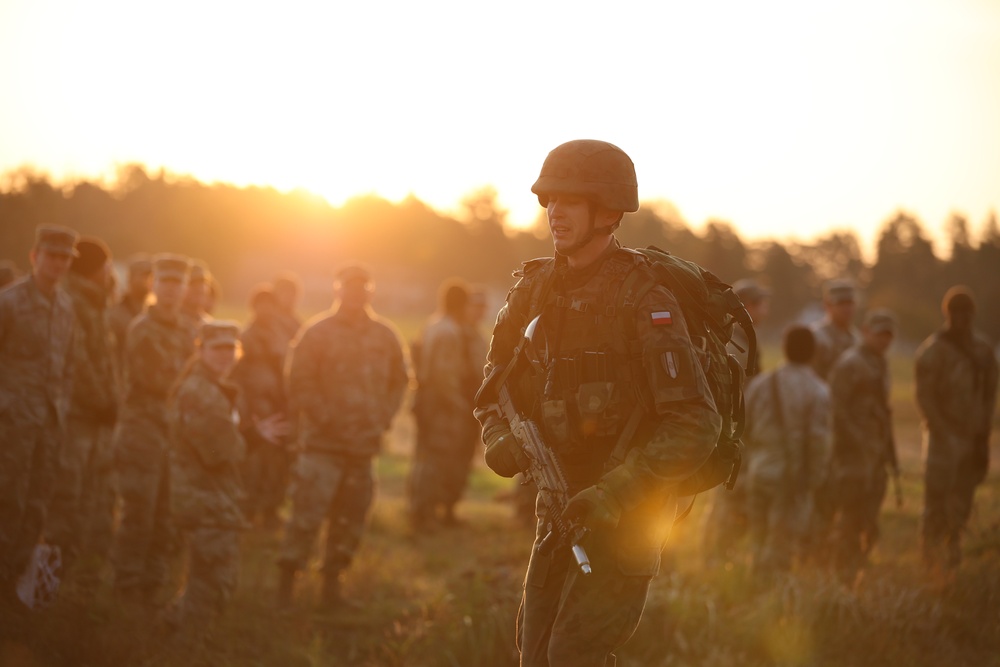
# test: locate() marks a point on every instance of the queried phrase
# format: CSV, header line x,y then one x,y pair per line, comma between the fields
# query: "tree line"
x,y
248,234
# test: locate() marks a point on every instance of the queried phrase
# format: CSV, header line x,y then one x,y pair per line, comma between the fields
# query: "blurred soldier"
x,y
346,378
956,377
133,301
8,272
207,449
726,518
259,373
157,347
836,332
288,292
788,431
36,357
443,407
863,443
194,305
81,515
623,493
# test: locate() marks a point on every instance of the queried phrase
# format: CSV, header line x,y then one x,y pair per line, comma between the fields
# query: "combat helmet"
x,y
594,169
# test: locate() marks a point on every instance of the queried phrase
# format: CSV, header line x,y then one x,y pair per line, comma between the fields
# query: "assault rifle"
x,y
544,468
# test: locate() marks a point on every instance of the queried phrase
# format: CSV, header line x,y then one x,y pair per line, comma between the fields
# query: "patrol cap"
x,y
140,264
958,299
354,271
880,320
91,255
219,333
750,291
838,291
171,267
56,239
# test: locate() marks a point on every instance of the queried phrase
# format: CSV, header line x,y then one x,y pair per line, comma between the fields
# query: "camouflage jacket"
x,y
444,372
862,421
956,385
95,384
831,342
157,347
795,445
120,317
259,372
36,353
346,378
207,449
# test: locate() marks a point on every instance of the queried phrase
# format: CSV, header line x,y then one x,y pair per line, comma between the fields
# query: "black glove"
x,y
503,454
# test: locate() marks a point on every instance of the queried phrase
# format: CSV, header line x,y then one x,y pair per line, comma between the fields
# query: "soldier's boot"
x,y
286,586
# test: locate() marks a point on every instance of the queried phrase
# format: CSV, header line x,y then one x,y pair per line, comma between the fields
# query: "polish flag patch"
x,y
661,317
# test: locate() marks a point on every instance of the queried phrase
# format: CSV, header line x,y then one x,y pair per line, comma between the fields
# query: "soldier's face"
x,y
50,267
570,221
841,313
168,291
140,283
219,359
354,294
879,340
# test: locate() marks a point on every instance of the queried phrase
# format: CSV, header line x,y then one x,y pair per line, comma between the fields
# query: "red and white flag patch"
x,y
661,317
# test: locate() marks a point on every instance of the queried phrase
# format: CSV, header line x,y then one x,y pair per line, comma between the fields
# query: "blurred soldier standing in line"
x,y
132,303
835,333
36,354
727,516
863,443
194,304
158,345
956,378
288,292
346,376
788,432
81,515
260,375
442,407
623,493
207,449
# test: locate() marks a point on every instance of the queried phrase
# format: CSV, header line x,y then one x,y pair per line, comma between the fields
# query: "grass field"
x,y
450,598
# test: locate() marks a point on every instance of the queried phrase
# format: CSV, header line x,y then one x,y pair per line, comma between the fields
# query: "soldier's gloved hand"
x,y
595,508
503,454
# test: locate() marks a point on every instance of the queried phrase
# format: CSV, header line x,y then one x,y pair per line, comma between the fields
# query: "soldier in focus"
x,y
132,302
346,376
863,443
260,375
157,347
37,329
624,494
208,443
442,407
81,514
788,433
956,385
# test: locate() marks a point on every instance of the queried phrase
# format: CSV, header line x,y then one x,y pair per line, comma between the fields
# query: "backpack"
x,y
712,309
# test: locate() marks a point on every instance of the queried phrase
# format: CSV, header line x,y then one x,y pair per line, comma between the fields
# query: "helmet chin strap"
x,y
592,232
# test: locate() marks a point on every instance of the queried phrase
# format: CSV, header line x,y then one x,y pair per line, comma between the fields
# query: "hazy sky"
x,y
783,117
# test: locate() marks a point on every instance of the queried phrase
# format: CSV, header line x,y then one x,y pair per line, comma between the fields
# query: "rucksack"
x,y
712,309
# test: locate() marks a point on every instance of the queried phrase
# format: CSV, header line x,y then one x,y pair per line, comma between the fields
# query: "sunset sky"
x,y
782,117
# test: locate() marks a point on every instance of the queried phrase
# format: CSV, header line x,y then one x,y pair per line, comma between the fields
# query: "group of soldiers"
x,y
145,409
820,445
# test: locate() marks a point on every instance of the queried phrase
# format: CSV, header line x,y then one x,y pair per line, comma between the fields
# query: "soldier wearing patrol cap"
x,y
210,435
836,332
623,493
863,443
157,346
346,376
37,329
197,295
133,301
956,377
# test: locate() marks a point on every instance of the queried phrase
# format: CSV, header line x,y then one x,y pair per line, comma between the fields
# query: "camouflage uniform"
x,y
158,346
346,378
207,449
790,455
259,375
566,617
862,439
443,408
36,355
956,392
81,515
831,342
128,307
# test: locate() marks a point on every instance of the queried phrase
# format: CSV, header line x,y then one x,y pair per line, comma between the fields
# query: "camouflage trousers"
x,y
440,472
28,453
778,520
81,513
212,577
568,618
328,487
951,476
265,481
855,529
146,537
